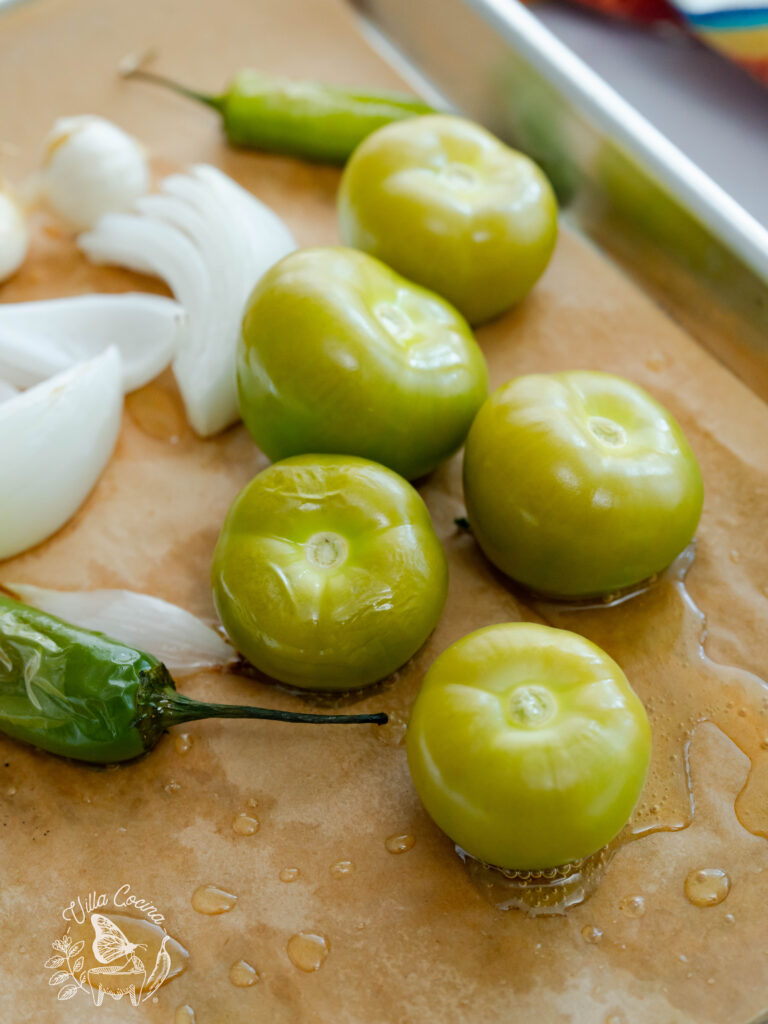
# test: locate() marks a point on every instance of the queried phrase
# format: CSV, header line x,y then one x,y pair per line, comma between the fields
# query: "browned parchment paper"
x,y
411,937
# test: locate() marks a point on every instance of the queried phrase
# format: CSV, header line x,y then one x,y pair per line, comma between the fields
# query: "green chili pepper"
x,y
305,119
82,695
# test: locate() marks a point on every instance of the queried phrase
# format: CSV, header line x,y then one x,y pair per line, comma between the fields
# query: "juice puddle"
x,y
656,634
209,899
539,893
118,955
657,637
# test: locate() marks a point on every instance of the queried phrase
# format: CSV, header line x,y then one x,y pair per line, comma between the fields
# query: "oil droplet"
x,y
172,787
591,934
656,362
615,1018
184,1015
245,825
706,887
734,556
209,899
289,874
243,975
252,802
308,951
10,791
400,843
394,729
729,919
632,906
342,868
183,743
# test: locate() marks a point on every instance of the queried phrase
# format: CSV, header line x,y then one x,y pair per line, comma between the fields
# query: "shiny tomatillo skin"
x,y
579,484
84,696
328,574
527,746
339,354
445,203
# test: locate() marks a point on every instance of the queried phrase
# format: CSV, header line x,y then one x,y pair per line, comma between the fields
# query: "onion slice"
x,y
210,241
55,440
39,339
180,640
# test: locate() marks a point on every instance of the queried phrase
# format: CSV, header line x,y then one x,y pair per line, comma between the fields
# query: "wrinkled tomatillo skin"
x,y
328,574
579,484
527,746
339,354
447,204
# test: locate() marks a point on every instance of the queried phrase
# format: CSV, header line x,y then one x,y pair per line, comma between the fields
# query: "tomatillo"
x,y
328,574
340,354
528,746
579,484
447,204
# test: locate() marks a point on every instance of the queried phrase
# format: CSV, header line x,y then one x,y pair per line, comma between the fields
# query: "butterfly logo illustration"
x,y
120,971
110,943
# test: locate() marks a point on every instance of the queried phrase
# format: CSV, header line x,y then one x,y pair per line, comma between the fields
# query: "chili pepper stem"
x,y
130,70
174,709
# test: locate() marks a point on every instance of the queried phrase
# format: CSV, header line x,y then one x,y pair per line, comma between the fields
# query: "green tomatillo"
x,y
339,354
328,574
528,746
447,204
579,484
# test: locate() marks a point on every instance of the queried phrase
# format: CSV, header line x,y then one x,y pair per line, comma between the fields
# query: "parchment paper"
x,y
411,937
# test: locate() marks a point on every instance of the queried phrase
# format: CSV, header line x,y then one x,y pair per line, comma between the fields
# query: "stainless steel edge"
x,y
619,180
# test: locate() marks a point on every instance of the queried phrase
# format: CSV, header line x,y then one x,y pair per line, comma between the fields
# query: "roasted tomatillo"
x,y
339,354
528,746
579,484
446,204
328,574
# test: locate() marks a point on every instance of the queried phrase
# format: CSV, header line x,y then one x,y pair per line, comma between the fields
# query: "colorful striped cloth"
x,y
737,28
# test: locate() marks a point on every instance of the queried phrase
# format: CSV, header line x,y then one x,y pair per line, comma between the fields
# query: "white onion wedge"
x,y
180,640
39,339
14,236
7,390
210,241
55,440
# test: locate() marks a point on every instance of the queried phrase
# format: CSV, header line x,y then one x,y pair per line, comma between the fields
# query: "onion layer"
x,y
210,241
39,339
180,640
55,440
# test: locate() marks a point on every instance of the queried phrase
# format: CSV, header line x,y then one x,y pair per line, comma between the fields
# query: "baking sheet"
x,y
412,937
